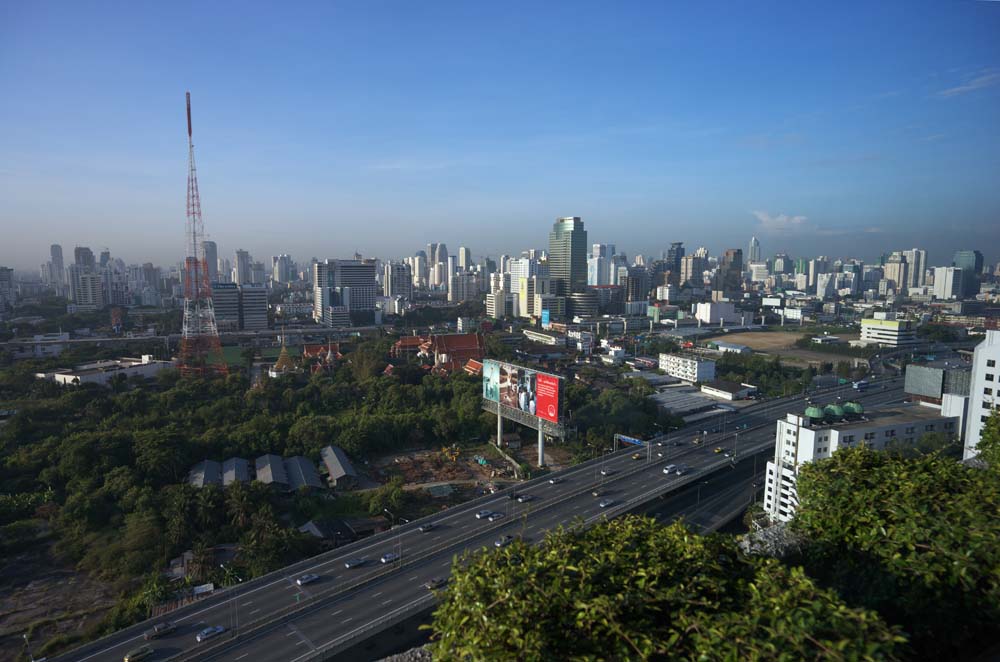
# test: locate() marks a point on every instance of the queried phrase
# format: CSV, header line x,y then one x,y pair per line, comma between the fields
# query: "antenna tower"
x,y
201,352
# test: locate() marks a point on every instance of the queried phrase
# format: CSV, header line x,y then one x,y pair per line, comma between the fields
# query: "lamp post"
x,y
234,605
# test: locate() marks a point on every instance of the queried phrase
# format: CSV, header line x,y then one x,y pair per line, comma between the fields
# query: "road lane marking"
x,y
375,595
347,619
387,601
254,611
290,633
336,612
242,656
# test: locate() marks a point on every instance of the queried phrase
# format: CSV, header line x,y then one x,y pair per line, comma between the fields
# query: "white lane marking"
x,y
336,612
290,633
347,619
254,611
445,564
248,603
387,601
242,656
412,578
375,595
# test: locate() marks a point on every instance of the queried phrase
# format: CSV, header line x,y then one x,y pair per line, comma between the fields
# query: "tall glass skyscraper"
x,y
971,264
568,256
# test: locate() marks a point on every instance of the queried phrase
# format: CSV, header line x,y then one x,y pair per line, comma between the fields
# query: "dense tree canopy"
x,y
631,589
915,538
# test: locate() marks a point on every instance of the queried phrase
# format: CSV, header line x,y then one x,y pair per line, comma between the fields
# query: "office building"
x,y
598,271
226,303
753,250
916,260
528,290
242,268
984,389
253,307
636,283
463,286
971,264
6,288
282,268
347,284
464,258
500,304
397,280
211,255
567,258
687,368
675,254
729,275
896,272
84,257
86,288
822,431
58,266
948,283
692,271
888,331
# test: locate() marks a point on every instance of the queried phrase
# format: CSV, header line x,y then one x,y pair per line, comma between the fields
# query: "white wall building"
x,y
802,439
947,283
882,330
716,312
687,368
984,389
102,372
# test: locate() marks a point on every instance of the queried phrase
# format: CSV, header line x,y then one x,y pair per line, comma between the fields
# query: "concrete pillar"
x,y
499,430
541,448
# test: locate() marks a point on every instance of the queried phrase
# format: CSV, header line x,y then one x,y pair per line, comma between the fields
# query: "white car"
x,y
306,579
555,480
525,498
483,514
669,469
606,503
209,632
607,472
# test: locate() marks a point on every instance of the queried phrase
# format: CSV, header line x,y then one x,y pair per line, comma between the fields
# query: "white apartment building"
x,y
947,283
102,372
984,390
687,368
888,332
822,431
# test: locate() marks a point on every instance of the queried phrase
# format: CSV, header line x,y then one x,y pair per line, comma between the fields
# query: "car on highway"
x,y
659,443
669,469
717,450
555,480
141,653
727,454
495,517
306,579
435,583
512,495
424,528
389,557
681,470
483,514
209,632
354,563
605,503
607,472
503,541
525,498
598,492
636,456
159,630
660,454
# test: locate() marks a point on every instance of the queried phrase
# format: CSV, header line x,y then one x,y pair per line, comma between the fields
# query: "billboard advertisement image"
x,y
512,386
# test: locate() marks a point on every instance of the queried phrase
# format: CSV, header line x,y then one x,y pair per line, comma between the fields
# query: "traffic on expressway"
x,y
369,585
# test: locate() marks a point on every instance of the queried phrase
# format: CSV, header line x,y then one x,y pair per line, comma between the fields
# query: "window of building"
x,y
949,425
929,428
989,376
983,419
991,363
910,430
987,405
987,391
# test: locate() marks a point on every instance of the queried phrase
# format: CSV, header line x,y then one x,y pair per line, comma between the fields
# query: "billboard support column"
x,y
541,448
499,429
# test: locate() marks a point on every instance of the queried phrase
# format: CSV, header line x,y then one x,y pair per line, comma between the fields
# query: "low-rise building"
x,y
301,473
688,368
102,372
271,471
545,337
207,472
235,469
888,332
727,390
820,432
340,471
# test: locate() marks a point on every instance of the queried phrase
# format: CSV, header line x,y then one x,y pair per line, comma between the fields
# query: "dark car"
x,y
209,632
159,630
503,541
435,584
424,528
353,563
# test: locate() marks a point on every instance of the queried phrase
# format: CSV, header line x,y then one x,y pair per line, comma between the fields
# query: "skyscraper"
x,y
84,257
674,256
754,250
917,261
729,275
568,256
211,260
58,266
242,269
971,264
464,258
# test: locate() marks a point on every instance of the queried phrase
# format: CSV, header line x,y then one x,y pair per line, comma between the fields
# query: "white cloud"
x,y
986,79
780,222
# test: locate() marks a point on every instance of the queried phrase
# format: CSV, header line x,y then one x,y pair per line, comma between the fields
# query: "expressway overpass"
x,y
271,618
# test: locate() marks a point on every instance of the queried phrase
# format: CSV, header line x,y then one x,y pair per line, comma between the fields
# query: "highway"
x,y
271,618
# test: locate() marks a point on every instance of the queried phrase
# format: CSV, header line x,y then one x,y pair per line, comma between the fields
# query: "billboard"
x,y
535,393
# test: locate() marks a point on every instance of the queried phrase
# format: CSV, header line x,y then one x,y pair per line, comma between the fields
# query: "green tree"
x,y
989,441
631,589
917,539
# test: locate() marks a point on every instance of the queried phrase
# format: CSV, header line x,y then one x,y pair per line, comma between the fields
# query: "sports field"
x,y
782,343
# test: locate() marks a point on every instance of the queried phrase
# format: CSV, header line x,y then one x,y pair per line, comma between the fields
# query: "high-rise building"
x,y
782,264
397,280
462,286
226,301
636,284
105,258
947,283
568,255
971,264
437,253
753,252
6,288
86,288
348,284
531,287
464,258
58,266
897,272
692,271
253,307
211,251
282,268
674,256
598,272
242,267
729,274
916,260
984,390
84,257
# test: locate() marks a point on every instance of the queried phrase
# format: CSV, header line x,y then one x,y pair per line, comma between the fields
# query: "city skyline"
x,y
319,145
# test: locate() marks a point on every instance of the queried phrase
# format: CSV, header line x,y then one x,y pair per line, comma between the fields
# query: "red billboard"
x,y
547,396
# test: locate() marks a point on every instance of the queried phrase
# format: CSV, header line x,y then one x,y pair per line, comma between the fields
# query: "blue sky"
x,y
840,129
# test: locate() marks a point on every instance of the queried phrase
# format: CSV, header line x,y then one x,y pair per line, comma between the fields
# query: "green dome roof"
x,y
834,411
854,408
814,412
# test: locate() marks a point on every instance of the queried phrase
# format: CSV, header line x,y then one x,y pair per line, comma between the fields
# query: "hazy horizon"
x,y
323,130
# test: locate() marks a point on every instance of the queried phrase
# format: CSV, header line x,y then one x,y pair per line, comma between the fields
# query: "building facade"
x,y
687,368
984,390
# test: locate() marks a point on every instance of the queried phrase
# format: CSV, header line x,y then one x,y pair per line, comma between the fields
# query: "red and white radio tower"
x,y
201,352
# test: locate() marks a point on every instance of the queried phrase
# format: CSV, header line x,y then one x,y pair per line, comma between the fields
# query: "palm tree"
x,y
239,505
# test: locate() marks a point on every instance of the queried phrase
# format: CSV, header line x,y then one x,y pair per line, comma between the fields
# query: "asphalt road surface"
x,y
345,604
